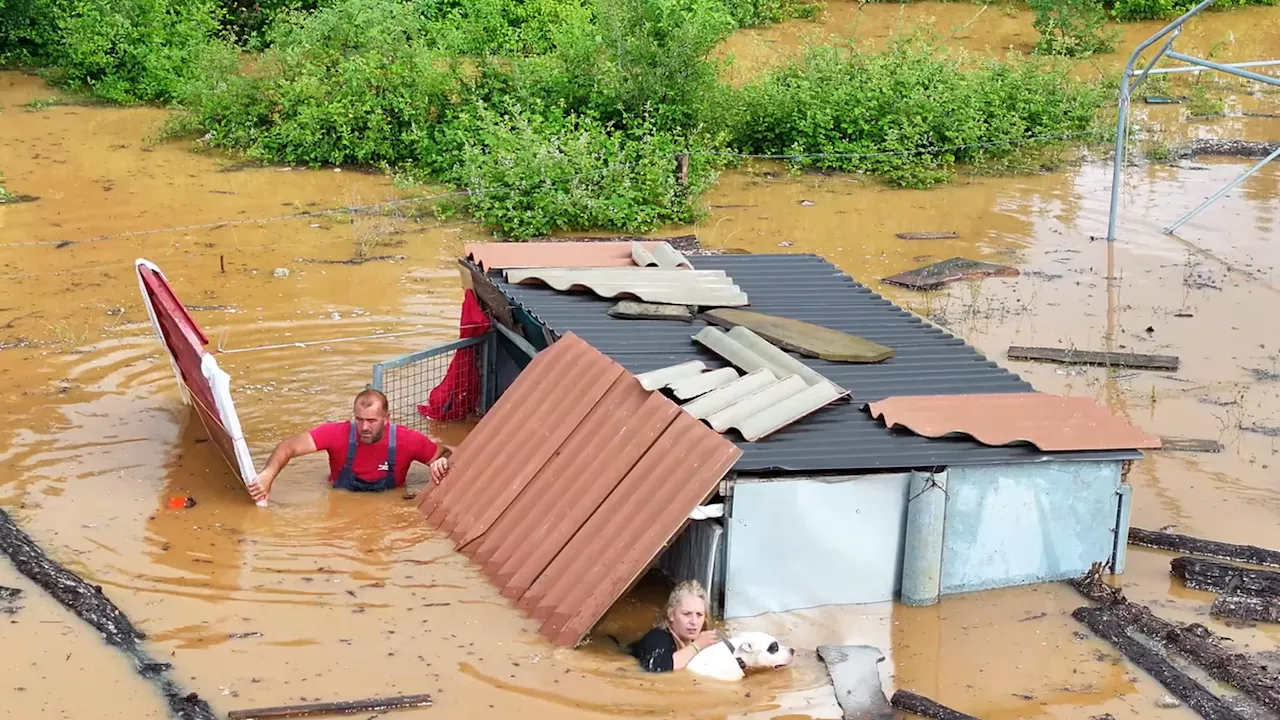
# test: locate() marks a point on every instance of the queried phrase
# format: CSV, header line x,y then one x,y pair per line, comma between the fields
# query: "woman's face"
x,y
687,617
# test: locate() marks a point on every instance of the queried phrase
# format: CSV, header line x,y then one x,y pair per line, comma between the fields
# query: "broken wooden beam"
x,y
343,707
636,310
1133,361
932,277
1247,608
1194,641
928,235
1221,577
1188,545
92,606
908,701
802,337
1107,626
1181,444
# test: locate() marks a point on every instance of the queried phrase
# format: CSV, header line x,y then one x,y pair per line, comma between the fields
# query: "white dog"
x,y
744,651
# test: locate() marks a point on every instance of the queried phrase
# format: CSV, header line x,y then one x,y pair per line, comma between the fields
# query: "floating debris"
x,y
932,277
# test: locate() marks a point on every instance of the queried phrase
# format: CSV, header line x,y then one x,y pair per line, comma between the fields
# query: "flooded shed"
x,y
939,471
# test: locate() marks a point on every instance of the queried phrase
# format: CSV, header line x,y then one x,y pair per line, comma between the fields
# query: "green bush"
x,y
1130,10
353,83
886,113
28,30
534,173
1072,28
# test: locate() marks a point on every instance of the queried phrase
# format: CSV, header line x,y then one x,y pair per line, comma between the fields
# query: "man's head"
x,y
370,416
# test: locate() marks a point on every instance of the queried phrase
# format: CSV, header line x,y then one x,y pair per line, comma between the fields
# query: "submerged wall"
x,y
803,542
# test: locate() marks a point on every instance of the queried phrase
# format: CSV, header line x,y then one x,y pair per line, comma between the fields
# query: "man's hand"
x,y
260,486
439,469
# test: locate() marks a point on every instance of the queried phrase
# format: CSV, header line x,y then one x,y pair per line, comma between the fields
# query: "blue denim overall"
x,y
347,479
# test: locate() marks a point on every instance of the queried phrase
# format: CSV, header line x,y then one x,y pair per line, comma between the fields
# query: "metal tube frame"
x,y
1172,30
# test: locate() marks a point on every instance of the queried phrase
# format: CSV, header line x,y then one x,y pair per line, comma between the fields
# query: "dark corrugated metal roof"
x,y
839,438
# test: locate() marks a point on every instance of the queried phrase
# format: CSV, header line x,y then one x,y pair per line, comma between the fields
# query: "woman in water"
x,y
674,641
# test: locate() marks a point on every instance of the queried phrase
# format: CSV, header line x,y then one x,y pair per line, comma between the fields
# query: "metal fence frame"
x,y
1171,31
488,345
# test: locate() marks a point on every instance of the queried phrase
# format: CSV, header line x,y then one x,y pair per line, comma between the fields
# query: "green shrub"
x,y
28,30
1130,10
534,173
247,21
129,51
353,83
885,113
1072,28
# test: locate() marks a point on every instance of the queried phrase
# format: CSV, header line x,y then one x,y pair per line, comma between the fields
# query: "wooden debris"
x,y
1220,577
802,337
636,310
928,236
489,296
1180,444
1194,641
353,261
1107,626
345,707
1244,607
1089,357
924,707
1188,545
932,277
90,605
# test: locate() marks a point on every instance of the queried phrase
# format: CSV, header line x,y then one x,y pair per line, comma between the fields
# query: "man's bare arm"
x,y
288,449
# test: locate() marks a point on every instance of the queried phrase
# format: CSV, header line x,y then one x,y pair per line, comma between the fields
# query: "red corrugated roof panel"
x,y
573,483
1050,422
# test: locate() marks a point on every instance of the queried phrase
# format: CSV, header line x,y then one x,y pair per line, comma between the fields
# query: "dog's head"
x,y
760,651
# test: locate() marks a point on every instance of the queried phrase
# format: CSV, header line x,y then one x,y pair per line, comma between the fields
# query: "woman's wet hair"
x,y
685,589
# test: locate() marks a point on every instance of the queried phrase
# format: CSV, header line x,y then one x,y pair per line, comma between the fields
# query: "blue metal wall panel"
x,y
1035,522
803,543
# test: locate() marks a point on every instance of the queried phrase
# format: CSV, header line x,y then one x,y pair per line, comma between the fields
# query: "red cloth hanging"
x,y
458,394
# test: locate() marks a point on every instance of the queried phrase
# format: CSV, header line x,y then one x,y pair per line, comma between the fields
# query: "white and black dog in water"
x,y
733,656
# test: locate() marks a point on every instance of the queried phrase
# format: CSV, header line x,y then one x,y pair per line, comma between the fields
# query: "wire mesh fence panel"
x,y
443,384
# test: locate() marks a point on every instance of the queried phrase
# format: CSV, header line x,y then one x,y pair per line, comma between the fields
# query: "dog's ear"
x,y
746,647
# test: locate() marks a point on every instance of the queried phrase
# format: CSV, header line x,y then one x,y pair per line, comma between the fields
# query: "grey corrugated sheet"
x,y
842,437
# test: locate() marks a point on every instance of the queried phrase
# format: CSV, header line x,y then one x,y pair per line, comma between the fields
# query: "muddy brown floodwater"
x,y
345,596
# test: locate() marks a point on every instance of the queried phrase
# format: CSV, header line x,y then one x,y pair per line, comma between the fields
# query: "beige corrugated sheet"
x,y
573,483
676,286
500,255
1050,422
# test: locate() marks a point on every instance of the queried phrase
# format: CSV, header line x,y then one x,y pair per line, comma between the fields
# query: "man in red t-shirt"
x,y
366,453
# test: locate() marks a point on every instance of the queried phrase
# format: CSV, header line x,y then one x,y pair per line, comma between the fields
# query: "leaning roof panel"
x,y
842,437
573,483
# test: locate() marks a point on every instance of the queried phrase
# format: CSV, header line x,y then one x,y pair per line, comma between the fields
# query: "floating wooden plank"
x,y
928,236
1180,444
802,337
1188,545
1244,607
855,675
924,707
92,606
344,707
932,277
1195,641
1107,626
634,310
1220,577
1133,361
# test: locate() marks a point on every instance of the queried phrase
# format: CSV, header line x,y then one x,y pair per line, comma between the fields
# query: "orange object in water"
x,y
177,503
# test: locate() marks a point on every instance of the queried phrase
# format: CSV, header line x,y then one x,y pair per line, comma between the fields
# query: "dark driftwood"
x,y
924,707
90,605
1090,357
1244,607
1221,577
344,707
928,235
1195,641
1188,545
1169,443
1107,626
932,277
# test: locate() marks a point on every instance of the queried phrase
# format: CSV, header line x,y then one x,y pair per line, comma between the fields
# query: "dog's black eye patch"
x,y
773,647
742,664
